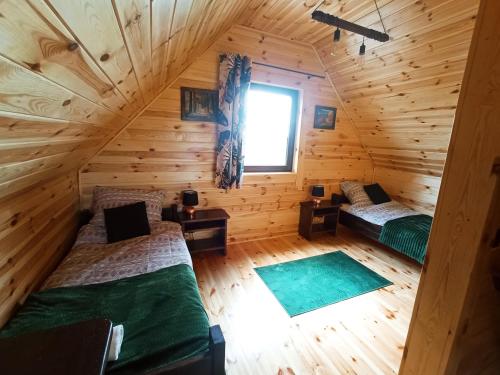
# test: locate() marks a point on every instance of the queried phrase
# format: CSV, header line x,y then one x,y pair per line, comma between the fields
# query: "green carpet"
x,y
307,284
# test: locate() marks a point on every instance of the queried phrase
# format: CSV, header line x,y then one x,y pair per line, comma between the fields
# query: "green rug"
x,y
307,284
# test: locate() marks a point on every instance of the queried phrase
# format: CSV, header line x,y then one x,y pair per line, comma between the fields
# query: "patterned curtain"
x,y
234,81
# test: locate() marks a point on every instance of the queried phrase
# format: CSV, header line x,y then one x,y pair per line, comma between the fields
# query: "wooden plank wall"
x,y
37,226
56,108
455,325
403,94
477,345
72,74
158,150
56,105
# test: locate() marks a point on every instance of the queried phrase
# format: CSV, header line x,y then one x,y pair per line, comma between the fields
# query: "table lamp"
x,y
317,192
189,200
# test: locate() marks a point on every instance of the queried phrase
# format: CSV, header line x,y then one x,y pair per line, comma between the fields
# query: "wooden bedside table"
x,y
79,348
308,211
203,220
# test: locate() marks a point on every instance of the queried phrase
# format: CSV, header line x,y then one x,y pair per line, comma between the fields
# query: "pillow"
x,y
108,197
355,193
376,193
126,222
339,199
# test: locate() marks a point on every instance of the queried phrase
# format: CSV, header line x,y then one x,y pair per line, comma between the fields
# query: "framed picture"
x,y
198,104
324,117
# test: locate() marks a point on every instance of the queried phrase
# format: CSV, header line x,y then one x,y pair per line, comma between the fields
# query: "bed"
x,y
390,223
145,283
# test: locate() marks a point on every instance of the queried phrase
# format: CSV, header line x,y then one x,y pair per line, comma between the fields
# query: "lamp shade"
x,y
318,191
189,198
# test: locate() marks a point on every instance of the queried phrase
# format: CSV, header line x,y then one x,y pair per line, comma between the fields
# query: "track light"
x,y
362,48
336,35
323,17
339,23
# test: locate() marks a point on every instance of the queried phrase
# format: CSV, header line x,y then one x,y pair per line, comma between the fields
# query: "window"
x,y
270,128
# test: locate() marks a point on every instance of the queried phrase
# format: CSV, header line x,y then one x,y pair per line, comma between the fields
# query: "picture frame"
x,y
198,104
325,117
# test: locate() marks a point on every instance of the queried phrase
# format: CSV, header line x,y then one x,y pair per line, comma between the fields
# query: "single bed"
x,y
392,223
147,284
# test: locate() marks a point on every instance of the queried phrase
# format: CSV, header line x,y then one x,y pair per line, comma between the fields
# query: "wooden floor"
x,y
363,335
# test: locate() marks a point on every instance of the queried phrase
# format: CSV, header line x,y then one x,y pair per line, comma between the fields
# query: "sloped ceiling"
x,y
292,18
402,94
73,73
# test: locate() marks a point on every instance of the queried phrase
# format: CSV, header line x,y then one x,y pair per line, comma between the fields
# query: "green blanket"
x,y
408,235
162,314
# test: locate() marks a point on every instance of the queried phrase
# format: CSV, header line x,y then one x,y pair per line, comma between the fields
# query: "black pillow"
x,y
376,193
339,199
126,222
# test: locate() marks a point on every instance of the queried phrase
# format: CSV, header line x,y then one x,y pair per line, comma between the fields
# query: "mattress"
x,y
379,214
92,260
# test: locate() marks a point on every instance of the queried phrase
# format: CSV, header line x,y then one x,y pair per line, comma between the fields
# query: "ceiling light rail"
x,y
323,17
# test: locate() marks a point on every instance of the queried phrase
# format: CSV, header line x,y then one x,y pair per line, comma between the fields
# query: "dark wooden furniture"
x,y
356,223
209,363
213,220
308,211
80,348
360,225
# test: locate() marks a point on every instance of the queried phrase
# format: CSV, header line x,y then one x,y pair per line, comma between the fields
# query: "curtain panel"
x,y
234,81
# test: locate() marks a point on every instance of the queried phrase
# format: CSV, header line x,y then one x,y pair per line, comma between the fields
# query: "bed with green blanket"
x,y
147,284
392,224
162,314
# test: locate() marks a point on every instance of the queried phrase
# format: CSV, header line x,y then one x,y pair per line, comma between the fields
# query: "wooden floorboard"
x,y
363,335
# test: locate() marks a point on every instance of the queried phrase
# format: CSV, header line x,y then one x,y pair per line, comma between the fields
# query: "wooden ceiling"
x,y
73,73
402,95
292,18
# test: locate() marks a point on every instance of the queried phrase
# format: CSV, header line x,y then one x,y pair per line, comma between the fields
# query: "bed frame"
x,y
211,362
360,225
354,222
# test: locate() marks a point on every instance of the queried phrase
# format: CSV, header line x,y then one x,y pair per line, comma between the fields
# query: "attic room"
x,y
250,187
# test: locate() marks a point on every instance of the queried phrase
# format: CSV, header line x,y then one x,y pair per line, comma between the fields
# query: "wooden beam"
x,y
323,17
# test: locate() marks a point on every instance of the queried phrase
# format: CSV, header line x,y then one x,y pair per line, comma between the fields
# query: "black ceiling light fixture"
x,y
329,19
362,48
336,35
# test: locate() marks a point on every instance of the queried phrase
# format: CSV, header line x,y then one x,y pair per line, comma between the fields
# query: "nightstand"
x,y
328,213
79,348
212,221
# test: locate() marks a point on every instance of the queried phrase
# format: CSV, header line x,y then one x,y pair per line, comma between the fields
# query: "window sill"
x,y
264,173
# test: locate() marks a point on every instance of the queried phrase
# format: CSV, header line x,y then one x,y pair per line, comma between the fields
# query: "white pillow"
x,y
356,194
